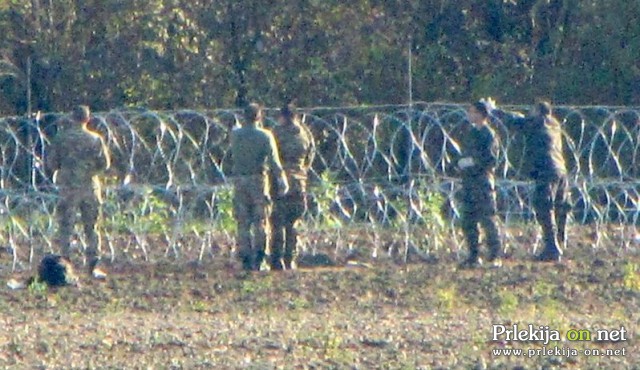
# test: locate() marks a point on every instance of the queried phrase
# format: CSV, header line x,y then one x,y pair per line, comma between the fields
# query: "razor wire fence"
x,y
382,175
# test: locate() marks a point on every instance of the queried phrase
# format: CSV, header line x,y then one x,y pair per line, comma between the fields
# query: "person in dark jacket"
x,y
544,163
478,195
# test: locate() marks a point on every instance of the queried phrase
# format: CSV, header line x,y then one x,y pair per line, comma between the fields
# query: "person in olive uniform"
x,y
254,152
296,146
478,195
77,156
544,163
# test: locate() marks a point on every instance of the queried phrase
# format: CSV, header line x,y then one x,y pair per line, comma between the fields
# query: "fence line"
x,y
391,167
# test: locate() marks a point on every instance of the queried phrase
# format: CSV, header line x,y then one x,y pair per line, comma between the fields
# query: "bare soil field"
x,y
369,314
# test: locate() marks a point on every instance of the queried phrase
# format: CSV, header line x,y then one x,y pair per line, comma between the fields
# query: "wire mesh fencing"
x,y
383,177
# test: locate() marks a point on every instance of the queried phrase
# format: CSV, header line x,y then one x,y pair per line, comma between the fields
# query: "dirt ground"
x,y
369,314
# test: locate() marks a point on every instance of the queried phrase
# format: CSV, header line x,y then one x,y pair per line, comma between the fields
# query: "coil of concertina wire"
x,y
384,175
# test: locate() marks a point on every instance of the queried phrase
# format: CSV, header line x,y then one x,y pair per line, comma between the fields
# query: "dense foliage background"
x,y
167,54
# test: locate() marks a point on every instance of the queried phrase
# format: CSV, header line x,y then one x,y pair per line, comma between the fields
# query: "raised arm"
x,y
511,120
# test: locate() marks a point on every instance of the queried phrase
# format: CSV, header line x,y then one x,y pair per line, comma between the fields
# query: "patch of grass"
x,y
326,192
224,207
42,347
199,306
508,303
114,305
330,346
37,288
631,277
446,298
15,346
552,313
150,214
542,289
527,312
258,286
298,303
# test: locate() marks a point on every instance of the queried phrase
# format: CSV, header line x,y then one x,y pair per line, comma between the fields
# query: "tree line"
x,y
170,54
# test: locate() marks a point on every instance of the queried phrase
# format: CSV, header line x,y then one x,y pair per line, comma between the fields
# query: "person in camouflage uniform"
x,y
296,146
78,156
544,163
478,195
253,152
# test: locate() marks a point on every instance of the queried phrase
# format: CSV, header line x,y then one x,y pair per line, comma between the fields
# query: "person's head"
x,y
542,108
478,112
253,113
81,114
288,114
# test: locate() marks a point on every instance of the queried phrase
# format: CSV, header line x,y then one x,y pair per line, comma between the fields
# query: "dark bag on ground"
x,y
55,270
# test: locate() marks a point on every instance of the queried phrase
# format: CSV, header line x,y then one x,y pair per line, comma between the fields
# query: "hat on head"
x,y
482,107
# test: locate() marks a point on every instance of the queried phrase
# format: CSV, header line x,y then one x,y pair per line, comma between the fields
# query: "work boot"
x,y
92,264
96,268
494,260
258,261
247,264
290,264
472,262
495,257
277,264
551,251
549,254
56,270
